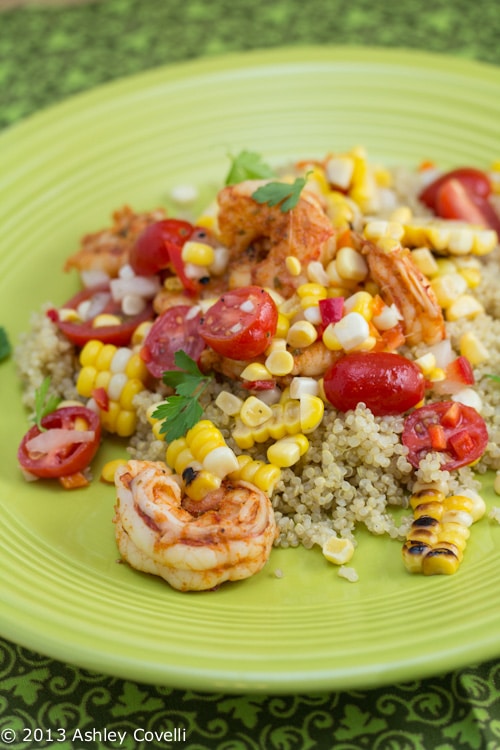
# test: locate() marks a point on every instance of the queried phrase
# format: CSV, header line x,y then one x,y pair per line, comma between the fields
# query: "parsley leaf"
x,y
5,347
283,193
496,378
183,410
248,165
44,404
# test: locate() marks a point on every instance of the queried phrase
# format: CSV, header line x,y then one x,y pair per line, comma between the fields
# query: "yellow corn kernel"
x,y
485,240
427,363
338,550
350,264
360,302
446,266
471,275
85,382
293,265
465,306
301,334
89,353
339,170
401,215
149,414
436,375
448,288
198,253
103,379
282,326
425,261
330,340
105,357
173,450
440,561
109,469
201,484
256,371
109,417
173,284
205,441
254,412
156,430
81,424
243,435
140,333
275,426
312,290
266,476
279,363
229,403
454,532
290,307
311,412
105,319
68,315
473,349
129,392
284,453
184,460
126,422
291,416
136,368
378,228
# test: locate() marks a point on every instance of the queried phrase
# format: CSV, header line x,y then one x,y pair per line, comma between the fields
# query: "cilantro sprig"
x,y
44,404
284,194
248,165
183,410
5,347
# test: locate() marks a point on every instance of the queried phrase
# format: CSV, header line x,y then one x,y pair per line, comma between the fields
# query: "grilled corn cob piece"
x,y
437,538
110,377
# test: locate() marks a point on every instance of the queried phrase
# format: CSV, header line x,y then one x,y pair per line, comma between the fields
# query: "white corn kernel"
x,y
468,397
388,318
317,274
339,171
313,315
465,306
351,265
254,412
461,241
120,359
221,461
472,348
133,304
116,385
301,386
351,331
425,261
229,403
220,261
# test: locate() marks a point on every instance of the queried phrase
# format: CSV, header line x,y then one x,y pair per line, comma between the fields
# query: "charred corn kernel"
x,y
229,403
311,412
330,340
88,354
282,326
105,319
464,306
254,412
198,483
284,453
293,265
438,535
301,334
85,382
173,450
448,288
140,333
256,371
360,302
198,253
351,265
338,550
310,289
425,261
279,363
109,469
105,357
473,349
427,363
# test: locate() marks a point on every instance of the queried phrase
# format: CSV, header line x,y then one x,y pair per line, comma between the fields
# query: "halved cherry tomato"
x,y
80,333
386,382
69,458
174,329
241,323
160,245
465,432
462,194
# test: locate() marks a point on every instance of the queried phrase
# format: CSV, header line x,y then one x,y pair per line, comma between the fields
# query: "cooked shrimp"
x,y
403,284
260,237
108,250
228,536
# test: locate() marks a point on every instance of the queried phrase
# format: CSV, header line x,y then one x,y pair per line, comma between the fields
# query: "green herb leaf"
x,y
248,166
44,404
283,193
496,378
183,410
5,347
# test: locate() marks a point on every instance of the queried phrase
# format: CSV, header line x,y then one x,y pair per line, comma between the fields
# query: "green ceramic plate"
x,y
63,172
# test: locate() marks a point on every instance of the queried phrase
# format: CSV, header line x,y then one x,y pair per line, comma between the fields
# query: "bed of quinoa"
x,y
355,471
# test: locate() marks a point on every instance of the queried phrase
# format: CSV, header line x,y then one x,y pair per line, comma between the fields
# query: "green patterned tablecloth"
x,y
51,52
